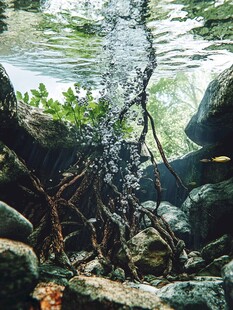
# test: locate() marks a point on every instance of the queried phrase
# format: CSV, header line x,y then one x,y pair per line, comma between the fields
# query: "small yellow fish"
x,y
192,184
218,159
67,174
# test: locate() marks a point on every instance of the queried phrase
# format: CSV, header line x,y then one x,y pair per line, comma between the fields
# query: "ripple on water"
x,y
73,35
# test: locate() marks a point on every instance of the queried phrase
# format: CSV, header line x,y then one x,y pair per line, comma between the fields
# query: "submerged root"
x,y
121,227
86,195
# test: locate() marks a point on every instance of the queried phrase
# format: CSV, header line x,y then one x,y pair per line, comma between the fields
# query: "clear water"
x,y
179,49
60,42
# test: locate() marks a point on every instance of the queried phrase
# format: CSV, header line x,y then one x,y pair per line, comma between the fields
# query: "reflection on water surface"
x,y
66,40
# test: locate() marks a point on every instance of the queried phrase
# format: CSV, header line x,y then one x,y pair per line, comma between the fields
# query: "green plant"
x,y
79,108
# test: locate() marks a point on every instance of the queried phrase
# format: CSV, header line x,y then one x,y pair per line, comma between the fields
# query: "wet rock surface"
x,y
209,209
194,264
217,248
194,295
8,101
56,274
19,272
13,225
213,121
215,267
174,216
227,274
150,253
92,293
11,168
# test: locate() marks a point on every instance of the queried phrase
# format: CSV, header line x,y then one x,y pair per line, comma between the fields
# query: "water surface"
x,y
61,42
66,40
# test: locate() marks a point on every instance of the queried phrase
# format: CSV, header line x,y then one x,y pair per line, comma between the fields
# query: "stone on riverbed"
x,y
217,248
18,272
93,293
227,274
194,295
150,253
209,209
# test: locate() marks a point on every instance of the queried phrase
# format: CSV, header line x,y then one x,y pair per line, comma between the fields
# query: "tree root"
x,y
86,193
121,227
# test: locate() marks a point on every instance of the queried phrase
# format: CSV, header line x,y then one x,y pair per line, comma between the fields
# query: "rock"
x,y
117,274
194,254
43,129
212,123
194,264
143,287
227,274
95,267
175,217
194,295
157,282
149,251
215,267
13,225
183,257
11,168
93,293
8,101
49,296
77,258
219,247
54,274
19,271
209,209
34,135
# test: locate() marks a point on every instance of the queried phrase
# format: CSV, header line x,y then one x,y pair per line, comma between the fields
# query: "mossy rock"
x,y
11,168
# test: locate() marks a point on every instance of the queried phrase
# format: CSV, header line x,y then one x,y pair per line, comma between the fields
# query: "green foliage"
x,y
81,110
172,102
217,18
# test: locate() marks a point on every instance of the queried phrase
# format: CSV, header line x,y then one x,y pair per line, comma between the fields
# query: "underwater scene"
x,y
116,173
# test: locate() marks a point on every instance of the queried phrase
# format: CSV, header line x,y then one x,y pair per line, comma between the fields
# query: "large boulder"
x,y
209,209
93,293
194,295
213,121
150,253
18,270
13,225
